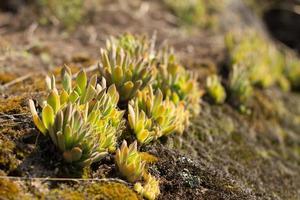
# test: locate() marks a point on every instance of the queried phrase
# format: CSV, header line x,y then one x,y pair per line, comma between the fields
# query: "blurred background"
x,y
58,30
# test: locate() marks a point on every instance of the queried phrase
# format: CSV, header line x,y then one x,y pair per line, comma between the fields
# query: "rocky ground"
x,y
223,155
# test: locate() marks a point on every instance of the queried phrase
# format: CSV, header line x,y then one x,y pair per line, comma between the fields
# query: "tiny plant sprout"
x,y
215,89
129,162
150,190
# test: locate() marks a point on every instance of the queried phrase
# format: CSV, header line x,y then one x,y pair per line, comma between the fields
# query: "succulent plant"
x,y
127,64
215,89
91,92
71,135
83,116
135,46
178,84
129,162
151,117
141,125
150,190
239,85
264,63
292,71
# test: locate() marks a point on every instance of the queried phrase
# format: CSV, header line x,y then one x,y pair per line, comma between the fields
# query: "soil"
x,y
223,155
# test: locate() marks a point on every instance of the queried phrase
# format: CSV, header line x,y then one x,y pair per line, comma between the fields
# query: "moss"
x,y
35,83
8,161
111,191
65,194
12,104
6,77
9,189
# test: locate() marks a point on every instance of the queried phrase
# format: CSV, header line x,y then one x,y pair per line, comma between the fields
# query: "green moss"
x,y
8,161
6,77
12,104
65,194
111,191
9,189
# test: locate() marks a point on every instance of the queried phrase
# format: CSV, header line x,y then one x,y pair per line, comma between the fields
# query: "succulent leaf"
x,y
129,162
48,116
215,89
36,120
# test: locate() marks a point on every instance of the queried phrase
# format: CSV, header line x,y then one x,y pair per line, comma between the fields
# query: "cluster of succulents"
x,y
127,63
151,117
83,120
133,65
177,83
263,61
130,164
150,190
254,61
215,89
